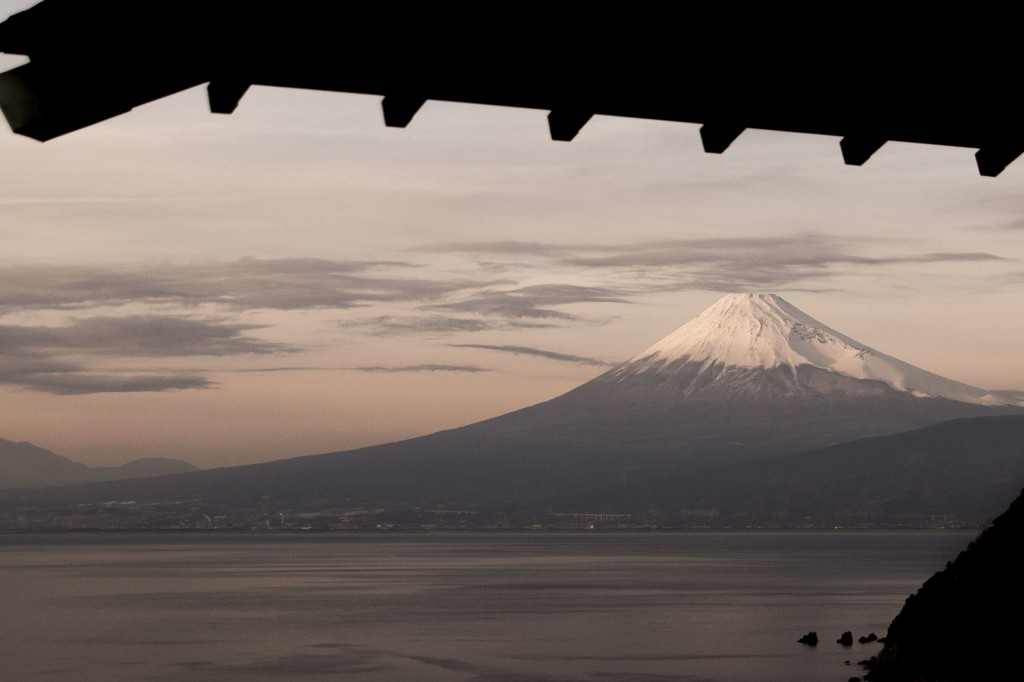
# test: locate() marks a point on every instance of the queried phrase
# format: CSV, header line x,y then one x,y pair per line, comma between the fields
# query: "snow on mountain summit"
x,y
752,331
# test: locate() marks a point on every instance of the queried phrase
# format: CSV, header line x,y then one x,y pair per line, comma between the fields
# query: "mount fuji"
x,y
750,377
750,382
729,347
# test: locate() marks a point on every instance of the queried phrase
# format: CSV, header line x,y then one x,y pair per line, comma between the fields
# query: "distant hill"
x,y
959,472
23,465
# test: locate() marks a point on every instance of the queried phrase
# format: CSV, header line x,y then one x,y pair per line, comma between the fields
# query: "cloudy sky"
x,y
297,278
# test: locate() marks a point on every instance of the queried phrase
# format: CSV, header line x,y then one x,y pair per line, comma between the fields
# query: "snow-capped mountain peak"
x,y
763,331
752,330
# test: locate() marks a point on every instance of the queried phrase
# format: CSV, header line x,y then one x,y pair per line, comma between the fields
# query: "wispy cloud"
x,y
422,368
717,264
246,284
137,336
48,375
35,357
532,301
796,254
208,299
953,257
526,350
503,247
56,358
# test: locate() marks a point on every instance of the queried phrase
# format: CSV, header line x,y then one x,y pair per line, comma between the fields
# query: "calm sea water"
x,y
502,606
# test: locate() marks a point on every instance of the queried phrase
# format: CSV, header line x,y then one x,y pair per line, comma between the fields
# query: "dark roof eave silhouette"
x,y
823,75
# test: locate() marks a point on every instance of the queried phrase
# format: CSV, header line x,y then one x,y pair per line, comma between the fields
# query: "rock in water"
x,y
810,639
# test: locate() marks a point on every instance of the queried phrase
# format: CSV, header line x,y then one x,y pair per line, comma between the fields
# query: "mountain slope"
x,y
965,471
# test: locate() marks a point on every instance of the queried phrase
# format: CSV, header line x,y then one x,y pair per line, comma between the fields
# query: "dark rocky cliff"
x,y
964,622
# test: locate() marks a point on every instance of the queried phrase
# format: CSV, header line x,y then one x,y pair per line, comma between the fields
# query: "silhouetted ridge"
x,y
962,625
